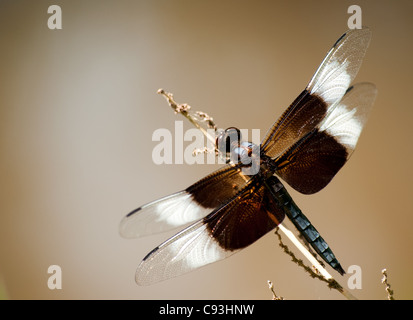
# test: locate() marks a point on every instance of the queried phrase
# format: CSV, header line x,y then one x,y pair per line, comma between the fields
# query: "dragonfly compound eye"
x,y
228,140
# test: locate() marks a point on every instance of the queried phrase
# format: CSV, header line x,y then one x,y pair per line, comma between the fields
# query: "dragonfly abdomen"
x,y
307,230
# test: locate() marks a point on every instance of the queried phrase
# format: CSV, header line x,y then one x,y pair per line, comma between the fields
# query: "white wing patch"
x,y
345,120
162,215
188,250
342,125
179,210
340,66
334,82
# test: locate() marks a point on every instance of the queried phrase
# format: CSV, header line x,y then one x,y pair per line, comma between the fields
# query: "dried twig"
x,y
194,118
322,276
390,293
274,295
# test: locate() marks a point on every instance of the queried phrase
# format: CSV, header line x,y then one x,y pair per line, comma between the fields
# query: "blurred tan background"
x,y
78,107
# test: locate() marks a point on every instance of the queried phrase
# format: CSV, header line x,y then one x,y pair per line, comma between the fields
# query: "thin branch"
x,y
390,293
322,273
184,110
274,295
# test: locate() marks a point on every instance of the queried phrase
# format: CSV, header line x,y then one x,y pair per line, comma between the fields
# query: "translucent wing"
x,y
225,231
327,86
340,66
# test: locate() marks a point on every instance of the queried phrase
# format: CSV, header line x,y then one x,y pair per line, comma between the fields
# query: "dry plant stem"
x,y
274,295
183,109
390,293
305,252
323,274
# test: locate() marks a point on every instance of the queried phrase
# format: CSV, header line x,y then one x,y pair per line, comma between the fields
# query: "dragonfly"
x,y
236,205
